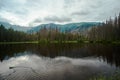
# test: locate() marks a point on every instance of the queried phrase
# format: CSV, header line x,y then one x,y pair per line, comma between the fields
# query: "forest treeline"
x,y
107,31
10,35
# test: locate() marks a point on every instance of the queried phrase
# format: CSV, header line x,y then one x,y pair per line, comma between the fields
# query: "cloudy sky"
x,y
33,12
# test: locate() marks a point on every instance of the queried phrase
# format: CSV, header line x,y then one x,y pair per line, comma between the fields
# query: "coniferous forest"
x,y
105,32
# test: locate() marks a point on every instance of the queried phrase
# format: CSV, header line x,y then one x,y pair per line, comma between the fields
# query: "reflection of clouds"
x,y
23,58
59,68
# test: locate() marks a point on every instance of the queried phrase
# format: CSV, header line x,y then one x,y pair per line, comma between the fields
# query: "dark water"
x,y
58,61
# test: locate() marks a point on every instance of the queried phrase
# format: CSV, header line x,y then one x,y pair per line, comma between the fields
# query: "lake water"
x,y
58,61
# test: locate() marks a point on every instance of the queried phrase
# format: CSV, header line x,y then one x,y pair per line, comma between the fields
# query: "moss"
x,y
115,76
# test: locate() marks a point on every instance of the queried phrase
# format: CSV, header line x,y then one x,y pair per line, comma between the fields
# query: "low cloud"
x,y
57,19
80,13
4,20
37,21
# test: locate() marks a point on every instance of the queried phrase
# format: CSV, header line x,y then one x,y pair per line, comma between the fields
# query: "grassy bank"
x,y
47,42
81,41
115,76
26,42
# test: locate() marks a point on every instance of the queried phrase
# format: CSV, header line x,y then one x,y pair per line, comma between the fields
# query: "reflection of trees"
x,y
50,50
53,50
10,50
109,53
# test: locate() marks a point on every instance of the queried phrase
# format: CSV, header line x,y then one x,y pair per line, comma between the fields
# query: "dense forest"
x,y
107,31
9,35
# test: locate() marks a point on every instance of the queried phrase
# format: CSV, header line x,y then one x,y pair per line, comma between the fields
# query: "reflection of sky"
x,y
31,12
18,55
45,68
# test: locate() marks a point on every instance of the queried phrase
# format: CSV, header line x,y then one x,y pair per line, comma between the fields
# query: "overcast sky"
x,y
33,12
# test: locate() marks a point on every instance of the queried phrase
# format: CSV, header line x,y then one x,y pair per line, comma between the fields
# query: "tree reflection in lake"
x,y
57,61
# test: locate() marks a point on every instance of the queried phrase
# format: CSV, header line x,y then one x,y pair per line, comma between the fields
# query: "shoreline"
x,y
57,42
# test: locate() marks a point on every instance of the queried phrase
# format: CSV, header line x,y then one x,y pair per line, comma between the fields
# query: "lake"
x,y
58,61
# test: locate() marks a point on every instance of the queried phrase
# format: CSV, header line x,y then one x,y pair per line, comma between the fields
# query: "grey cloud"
x,y
96,4
57,19
4,20
68,3
13,7
37,20
1,4
73,10
80,13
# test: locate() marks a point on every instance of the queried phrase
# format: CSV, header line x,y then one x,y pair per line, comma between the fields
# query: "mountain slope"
x,y
72,27
15,27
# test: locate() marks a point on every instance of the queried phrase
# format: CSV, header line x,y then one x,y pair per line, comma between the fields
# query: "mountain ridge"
x,y
70,27
15,27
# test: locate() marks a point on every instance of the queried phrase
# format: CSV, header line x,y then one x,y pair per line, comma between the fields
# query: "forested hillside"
x,y
107,31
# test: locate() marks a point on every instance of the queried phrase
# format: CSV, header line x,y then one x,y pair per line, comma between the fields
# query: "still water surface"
x,y
58,61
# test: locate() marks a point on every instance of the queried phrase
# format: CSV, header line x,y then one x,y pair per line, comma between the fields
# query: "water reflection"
x,y
109,53
32,67
57,61
44,50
